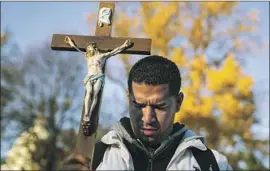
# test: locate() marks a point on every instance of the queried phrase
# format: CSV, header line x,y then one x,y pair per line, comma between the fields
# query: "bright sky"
x,y
32,23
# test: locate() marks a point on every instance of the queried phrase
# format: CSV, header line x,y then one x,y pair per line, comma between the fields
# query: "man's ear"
x,y
179,100
127,92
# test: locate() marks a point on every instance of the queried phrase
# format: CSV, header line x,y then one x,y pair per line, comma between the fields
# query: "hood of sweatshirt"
x,y
122,130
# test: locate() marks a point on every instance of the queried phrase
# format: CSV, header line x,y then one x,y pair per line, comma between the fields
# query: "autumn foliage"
x,y
208,41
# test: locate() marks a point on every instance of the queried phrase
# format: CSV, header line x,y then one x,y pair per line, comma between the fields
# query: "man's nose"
x,y
148,115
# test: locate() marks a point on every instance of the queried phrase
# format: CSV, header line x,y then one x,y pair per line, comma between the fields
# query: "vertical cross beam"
x,y
85,144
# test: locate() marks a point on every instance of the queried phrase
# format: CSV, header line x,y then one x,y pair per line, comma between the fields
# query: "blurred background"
x,y
221,48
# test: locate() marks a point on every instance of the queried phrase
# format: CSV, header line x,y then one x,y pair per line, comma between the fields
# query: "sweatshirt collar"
x,y
122,130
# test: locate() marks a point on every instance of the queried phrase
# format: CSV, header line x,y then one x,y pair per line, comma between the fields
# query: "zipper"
x,y
151,156
150,164
158,151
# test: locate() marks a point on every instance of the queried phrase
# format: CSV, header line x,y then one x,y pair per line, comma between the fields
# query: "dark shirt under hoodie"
x,y
143,161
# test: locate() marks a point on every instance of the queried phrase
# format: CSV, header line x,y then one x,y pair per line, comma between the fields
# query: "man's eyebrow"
x,y
138,104
134,101
160,104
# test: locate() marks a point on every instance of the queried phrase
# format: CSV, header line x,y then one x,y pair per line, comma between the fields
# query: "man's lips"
x,y
149,131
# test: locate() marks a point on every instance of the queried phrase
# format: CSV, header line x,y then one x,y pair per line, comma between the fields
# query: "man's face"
x,y
91,48
152,110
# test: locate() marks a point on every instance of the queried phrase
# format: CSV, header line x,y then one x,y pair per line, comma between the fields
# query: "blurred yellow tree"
x,y
208,41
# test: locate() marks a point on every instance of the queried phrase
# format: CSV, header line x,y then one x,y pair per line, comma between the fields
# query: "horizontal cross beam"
x,y
141,46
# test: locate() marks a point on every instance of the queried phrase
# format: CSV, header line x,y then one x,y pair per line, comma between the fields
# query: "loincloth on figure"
x,y
93,78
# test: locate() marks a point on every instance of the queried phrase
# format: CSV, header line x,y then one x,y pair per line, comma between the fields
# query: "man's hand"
x,y
76,162
73,167
128,44
69,41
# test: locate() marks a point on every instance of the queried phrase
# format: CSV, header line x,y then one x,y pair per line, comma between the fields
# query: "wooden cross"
x,y
86,143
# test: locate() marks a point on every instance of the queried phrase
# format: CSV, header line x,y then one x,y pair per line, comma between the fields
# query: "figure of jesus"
x,y
94,79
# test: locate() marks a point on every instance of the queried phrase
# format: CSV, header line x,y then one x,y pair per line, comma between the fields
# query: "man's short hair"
x,y
156,70
93,44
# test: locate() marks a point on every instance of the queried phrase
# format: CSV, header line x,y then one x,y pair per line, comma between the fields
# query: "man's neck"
x,y
153,147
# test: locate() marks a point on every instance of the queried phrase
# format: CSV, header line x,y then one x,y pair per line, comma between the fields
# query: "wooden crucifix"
x,y
102,45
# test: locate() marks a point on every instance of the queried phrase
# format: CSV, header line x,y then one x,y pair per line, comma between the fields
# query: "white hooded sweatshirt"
x,y
117,156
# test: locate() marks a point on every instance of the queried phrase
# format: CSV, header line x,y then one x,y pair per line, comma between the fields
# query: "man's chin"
x,y
150,141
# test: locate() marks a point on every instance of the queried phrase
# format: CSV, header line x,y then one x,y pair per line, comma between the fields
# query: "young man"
x,y
149,140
